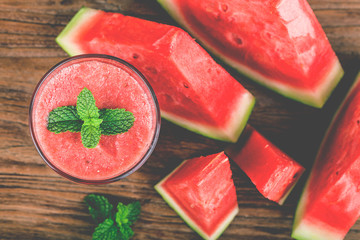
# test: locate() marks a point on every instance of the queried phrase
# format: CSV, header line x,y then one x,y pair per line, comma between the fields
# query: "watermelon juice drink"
x,y
113,84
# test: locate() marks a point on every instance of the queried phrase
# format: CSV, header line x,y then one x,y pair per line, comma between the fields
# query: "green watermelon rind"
x,y
239,121
229,134
158,187
314,99
306,231
64,38
306,97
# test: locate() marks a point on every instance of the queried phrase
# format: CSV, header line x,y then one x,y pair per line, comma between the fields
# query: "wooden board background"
x,y
36,203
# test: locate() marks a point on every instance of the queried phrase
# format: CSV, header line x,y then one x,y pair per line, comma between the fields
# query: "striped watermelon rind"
x,y
238,123
177,208
306,230
315,99
65,38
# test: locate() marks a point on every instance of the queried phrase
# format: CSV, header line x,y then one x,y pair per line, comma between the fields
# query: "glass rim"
x,y
153,141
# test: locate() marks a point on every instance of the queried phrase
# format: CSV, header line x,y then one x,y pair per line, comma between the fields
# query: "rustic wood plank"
x,y
40,23
36,203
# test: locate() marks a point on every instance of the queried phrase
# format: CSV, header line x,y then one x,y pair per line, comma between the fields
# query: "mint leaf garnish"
x,y
106,230
112,225
125,232
115,121
127,214
90,132
125,217
99,207
93,122
89,120
121,215
85,105
64,119
134,211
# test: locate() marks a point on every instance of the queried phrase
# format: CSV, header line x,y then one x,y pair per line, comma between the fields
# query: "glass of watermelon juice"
x,y
114,84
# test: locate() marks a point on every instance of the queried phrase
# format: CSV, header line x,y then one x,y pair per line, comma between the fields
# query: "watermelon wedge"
x,y
272,171
192,89
202,192
278,43
330,203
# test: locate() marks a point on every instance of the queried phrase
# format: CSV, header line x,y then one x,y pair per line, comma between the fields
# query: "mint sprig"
x,y
99,207
115,121
127,214
112,225
64,119
106,230
85,105
86,118
125,232
90,132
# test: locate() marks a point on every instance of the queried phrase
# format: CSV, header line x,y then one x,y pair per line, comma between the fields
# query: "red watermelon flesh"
x,y
202,192
330,203
278,43
272,171
192,89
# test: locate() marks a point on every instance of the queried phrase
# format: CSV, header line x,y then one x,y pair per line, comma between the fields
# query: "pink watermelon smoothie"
x,y
114,85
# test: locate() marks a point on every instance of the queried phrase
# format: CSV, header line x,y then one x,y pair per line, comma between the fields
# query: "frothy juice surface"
x,y
113,85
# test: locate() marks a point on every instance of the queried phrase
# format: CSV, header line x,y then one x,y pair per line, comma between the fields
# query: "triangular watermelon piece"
x,y
330,203
272,171
279,44
192,89
202,192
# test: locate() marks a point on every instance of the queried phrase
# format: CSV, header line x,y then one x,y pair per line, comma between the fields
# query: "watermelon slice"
x,y
192,89
278,43
330,203
272,171
202,192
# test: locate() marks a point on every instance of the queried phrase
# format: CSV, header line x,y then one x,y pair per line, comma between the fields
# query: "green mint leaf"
x,y
64,119
87,119
134,209
121,214
125,232
96,122
85,105
99,207
90,132
115,121
106,230
127,215
103,213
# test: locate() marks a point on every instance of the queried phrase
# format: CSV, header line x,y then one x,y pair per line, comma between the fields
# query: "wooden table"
x,y
36,203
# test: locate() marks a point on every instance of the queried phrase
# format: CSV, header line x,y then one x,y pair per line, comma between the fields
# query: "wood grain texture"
x,y
36,203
